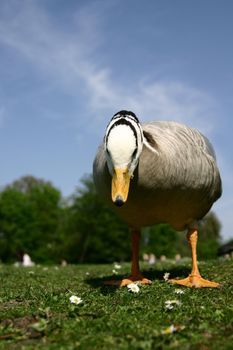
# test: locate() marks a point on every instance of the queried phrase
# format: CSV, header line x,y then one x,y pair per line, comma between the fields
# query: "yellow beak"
x,y
120,186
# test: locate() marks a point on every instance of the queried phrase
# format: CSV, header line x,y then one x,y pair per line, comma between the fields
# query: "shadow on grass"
x,y
152,274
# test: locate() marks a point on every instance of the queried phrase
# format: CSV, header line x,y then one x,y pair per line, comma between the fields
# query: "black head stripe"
x,y
123,121
126,114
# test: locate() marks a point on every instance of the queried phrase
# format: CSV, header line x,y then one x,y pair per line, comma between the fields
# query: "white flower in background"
x,y
114,272
75,300
117,266
179,291
133,287
27,262
169,304
166,276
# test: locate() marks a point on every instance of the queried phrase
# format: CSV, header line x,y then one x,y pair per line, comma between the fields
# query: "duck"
x,y
157,172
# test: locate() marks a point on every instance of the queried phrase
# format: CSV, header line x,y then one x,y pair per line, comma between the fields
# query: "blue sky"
x,y
67,66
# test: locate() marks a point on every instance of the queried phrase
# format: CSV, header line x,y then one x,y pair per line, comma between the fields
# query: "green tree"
x,y
29,219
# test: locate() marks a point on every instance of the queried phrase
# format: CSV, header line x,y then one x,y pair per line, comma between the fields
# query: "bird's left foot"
x,y
132,279
136,279
195,281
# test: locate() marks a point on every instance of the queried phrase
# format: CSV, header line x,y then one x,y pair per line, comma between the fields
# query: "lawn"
x,y
36,312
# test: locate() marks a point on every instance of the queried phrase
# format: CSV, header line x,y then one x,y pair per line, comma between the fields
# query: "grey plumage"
x,y
176,180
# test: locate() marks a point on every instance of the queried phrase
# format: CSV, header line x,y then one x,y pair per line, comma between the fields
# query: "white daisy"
x,y
75,300
169,304
166,276
133,287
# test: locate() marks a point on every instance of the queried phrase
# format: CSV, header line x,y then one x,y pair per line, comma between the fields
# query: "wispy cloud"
x,y
69,57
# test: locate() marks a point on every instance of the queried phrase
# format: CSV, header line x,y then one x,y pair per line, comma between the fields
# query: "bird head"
x,y
123,145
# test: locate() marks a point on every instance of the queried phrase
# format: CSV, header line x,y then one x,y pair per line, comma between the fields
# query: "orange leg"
x,y
135,276
135,270
194,279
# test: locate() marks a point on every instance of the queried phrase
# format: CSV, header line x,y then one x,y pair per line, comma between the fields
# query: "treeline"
x,y
36,219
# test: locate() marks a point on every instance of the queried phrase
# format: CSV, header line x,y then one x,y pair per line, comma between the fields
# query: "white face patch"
x,y
121,145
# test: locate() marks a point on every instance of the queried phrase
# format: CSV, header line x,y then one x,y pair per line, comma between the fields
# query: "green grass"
x,y
35,311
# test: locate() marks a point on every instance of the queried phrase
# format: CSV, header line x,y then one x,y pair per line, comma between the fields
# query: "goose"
x,y
157,172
